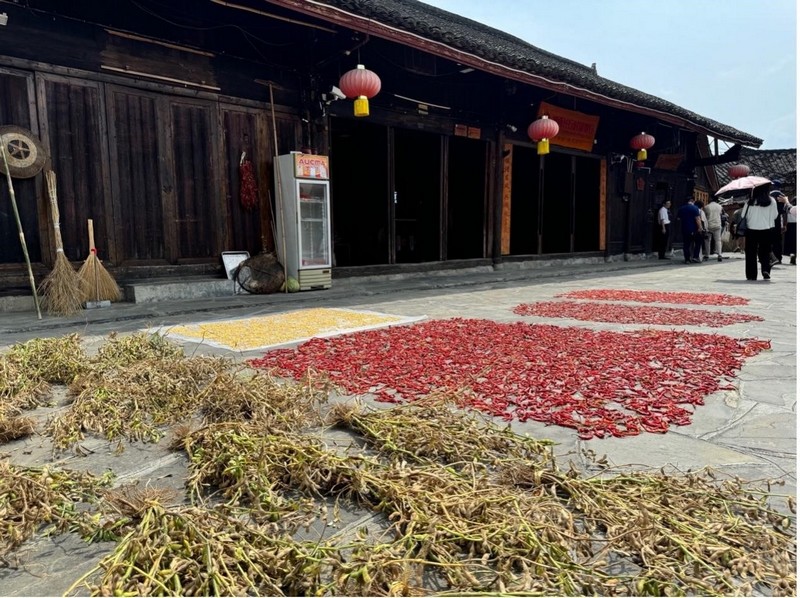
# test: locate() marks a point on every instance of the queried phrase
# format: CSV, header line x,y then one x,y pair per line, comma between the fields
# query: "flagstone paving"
x,y
749,431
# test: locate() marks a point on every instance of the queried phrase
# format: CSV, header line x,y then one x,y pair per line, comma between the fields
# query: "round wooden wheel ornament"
x,y
24,152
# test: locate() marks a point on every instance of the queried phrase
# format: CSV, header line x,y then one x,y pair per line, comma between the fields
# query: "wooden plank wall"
x,y
136,175
16,108
73,131
158,173
154,163
244,135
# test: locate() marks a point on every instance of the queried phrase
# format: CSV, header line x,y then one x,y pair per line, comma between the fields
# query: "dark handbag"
x,y
741,227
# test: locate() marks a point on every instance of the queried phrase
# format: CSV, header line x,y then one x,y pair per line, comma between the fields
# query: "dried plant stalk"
x,y
18,390
56,360
259,397
432,429
31,497
120,351
199,552
133,401
12,428
465,506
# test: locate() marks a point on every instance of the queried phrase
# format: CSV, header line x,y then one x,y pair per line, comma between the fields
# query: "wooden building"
x,y
145,107
778,165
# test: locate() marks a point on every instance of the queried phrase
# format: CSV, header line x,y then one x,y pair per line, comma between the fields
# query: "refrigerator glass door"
x,y
313,220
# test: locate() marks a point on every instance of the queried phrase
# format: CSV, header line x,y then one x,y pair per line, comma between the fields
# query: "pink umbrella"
x,y
743,184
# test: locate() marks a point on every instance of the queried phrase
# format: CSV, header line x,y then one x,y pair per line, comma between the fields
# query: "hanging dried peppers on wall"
x,y
248,193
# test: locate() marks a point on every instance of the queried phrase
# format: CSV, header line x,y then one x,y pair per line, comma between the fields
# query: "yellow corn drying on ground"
x,y
264,331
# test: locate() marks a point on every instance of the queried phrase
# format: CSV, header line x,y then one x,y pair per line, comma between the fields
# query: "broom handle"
x,y
93,252
92,248
19,228
51,190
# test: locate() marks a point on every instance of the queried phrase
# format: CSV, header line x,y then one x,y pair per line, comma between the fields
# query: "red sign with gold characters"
x,y
575,129
310,166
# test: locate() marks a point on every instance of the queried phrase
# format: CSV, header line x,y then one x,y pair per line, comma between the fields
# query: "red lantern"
x,y
642,142
737,171
360,84
542,131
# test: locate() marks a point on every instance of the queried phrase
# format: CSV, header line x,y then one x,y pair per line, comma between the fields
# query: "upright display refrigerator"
x,y
303,219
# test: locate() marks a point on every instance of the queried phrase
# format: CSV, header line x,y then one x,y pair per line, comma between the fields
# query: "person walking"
x,y
759,216
713,212
790,238
780,227
738,241
691,229
663,229
703,239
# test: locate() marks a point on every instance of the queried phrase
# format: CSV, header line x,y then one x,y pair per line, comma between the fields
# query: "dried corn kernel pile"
x,y
278,329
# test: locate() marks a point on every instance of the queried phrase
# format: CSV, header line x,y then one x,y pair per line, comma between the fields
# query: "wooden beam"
x,y
115,69
273,16
150,40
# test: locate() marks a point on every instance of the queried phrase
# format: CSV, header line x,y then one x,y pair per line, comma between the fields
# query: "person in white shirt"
x,y
759,215
662,241
713,212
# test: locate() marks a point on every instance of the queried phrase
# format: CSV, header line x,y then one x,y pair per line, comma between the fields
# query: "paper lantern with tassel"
x,y
361,84
542,131
642,142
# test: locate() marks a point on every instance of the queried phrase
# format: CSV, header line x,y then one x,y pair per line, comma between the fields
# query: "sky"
x,y
733,61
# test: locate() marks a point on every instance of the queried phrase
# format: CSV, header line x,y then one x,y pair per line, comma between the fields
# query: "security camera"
x,y
337,93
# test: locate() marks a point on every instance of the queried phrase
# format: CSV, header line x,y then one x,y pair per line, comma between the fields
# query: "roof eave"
x,y
372,27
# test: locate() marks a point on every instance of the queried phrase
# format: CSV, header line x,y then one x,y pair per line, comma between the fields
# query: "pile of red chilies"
x,y
632,314
601,383
656,297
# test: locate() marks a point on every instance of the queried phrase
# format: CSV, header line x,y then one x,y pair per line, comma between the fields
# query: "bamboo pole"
x,y
19,227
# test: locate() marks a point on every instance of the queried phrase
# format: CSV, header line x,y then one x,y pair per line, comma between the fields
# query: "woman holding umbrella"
x,y
759,217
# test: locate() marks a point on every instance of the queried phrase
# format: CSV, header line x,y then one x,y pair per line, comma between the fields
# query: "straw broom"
x,y
96,283
61,289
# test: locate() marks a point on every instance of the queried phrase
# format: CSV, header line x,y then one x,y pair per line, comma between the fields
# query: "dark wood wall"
x,y
145,138
156,171
18,108
145,134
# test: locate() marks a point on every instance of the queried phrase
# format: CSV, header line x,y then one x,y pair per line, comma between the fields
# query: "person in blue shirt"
x,y
691,230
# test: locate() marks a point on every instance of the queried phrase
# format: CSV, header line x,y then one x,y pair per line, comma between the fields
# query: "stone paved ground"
x,y
749,432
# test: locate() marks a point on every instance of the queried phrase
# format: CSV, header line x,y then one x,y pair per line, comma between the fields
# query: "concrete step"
x,y
16,303
143,291
153,291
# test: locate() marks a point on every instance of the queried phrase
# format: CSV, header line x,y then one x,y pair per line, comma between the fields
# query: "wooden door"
x,y
18,107
196,216
165,177
141,184
245,131
74,133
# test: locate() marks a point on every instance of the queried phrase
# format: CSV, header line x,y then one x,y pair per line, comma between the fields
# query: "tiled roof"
x,y
495,46
774,164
